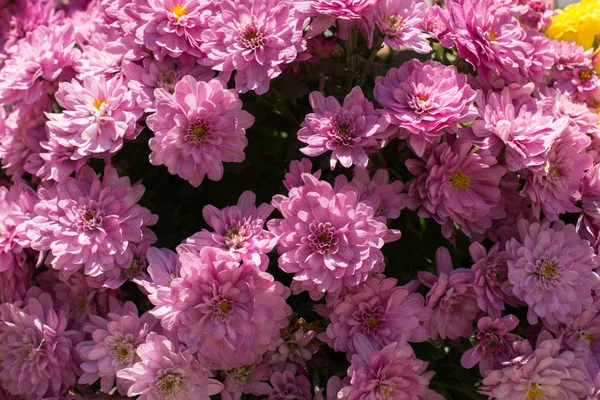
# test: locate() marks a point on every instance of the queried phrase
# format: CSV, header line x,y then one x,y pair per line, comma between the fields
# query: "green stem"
x,y
372,56
350,47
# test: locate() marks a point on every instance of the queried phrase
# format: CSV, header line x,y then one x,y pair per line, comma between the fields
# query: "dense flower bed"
x,y
299,200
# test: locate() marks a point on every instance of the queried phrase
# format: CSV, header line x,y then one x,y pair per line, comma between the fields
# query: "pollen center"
x,y
460,180
585,75
493,35
534,392
98,103
373,322
179,11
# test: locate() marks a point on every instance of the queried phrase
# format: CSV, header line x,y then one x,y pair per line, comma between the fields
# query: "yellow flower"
x,y
579,22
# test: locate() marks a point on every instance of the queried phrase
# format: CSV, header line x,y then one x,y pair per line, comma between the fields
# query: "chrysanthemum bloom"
x,y
425,100
451,297
168,371
38,352
437,26
401,24
85,222
490,273
197,128
113,346
579,23
494,343
551,269
143,79
326,239
347,130
579,80
56,161
238,229
98,115
392,372
490,38
30,73
457,186
296,346
288,386
588,225
542,59
293,178
379,310
230,314
522,130
253,38
326,12
554,186
385,197
249,379
584,333
538,14
171,27
546,373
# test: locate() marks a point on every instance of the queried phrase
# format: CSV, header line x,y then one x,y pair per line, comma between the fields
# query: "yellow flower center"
x,y
548,268
534,392
82,304
589,337
373,322
98,103
179,11
224,306
493,35
585,75
460,180
199,131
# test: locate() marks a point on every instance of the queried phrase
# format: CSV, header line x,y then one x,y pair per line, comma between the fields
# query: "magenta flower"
x,y
197,128
554,186
584,333
143,79
348,130
56,161
524,131
98,115
385,197
253,38
538,14
551,269
451,297
379,310
393,372
588,225
437,25
490,38
85,222
249,379
171,27
296,346
113,346
294,177
326,239
425,100
326,12
38,352
168,371
579,80
490,274
238,229
494,344
288,386
546,372
230,314
401,23
457,186
30,73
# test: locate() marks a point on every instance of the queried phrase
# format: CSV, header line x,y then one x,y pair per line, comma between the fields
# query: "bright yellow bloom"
x,y
579,22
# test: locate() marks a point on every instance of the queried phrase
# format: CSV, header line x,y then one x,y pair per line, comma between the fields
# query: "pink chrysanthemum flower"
x,y
288,386
238,229
490,273
542,59
580,80
30,74
401,23
554,186
143,79
38,352
523,130
98,115
56,161
379,310
436,24
171,27
230,314
543,373
588,225
113,346
451,297
584,333
457,186
296,346
326,239
197,128
425,100
392,372
326,12
551,269
538,14
494,343
168,371
385,197
85,222
490,38
253,38
348,130
293,178
249,379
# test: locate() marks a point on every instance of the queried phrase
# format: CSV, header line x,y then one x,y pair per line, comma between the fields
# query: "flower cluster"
x,y
440,240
